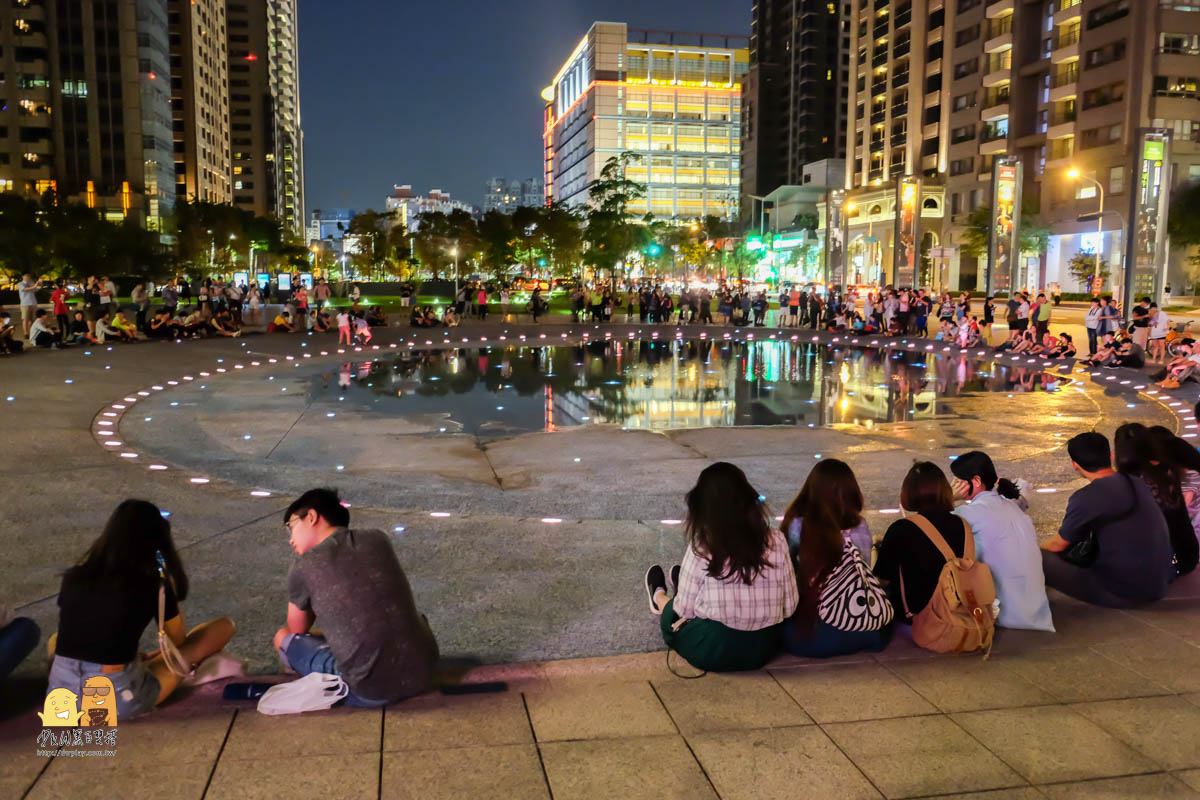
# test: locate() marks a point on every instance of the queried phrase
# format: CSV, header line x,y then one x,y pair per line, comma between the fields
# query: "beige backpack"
x,y
959,617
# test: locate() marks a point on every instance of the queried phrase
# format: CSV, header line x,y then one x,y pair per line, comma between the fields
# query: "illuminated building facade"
x,y
200,100
673,99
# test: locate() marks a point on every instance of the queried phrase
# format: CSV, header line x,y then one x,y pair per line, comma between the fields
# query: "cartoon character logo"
x,y
60,709
98,704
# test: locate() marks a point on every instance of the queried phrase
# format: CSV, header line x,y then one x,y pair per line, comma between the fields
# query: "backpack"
x,y
852,598
960,616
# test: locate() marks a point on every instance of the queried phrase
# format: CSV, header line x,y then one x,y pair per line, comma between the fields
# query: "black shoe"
x,y
655,580
675,579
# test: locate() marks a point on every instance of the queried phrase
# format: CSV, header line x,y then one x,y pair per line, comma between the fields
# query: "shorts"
x,y
306,654
136,688
28,313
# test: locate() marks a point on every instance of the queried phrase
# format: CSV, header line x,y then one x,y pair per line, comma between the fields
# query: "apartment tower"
x,y
200,100
794,98
944,88
264,110
672,98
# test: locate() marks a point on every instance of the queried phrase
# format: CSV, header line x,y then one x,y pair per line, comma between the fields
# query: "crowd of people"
x,y
964,560
820,585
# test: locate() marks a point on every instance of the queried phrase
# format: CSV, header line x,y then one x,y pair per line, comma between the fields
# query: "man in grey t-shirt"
x,y
27,292
371,632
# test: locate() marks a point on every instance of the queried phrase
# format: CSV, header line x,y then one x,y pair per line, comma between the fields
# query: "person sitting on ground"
x,y
161,326
1005,540
107,600
222,324
79,333
909,562
1113,548
1128,354
43,333
1105,351
362,331
352,583
1184,367
320,321
1064,347
449,318
947,332
822,521
736,583
193,323
376,318
126,329
9,343
1181,458
281,324
18,637
1043,346
1137,453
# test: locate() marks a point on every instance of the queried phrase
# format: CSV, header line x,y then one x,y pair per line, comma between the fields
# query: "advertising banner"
x,y
908,231
1148,216
835,238
1004,236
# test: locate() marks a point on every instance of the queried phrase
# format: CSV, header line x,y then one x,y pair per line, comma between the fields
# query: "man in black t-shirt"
x,y
371,632
1133,549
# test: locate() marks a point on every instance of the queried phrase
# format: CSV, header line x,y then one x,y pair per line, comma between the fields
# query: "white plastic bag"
x,y
314,692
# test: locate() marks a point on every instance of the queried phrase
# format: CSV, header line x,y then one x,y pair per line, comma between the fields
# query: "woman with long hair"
x,y
735,584
109,597
1005,540
821,522
906,554
1140,452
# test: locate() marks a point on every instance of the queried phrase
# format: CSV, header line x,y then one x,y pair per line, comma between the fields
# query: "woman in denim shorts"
x,y
106,602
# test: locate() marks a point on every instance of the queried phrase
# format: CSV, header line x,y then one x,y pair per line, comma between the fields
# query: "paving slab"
x,y
914,756
660,767
598,712
349,776
1074,675
1150,787
90,777
437,721
1164,729
728,702
449,773
851,692
1165,659
779,763
968,682
1053,743
344,731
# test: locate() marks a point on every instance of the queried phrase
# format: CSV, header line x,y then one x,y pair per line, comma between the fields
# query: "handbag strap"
x,y
939,541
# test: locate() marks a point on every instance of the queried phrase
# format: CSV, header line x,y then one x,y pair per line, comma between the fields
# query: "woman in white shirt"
x,y
1004,540
1160,323
1091,321
735,584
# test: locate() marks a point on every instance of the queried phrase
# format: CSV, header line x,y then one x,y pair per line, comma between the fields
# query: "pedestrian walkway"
x,y
1109,706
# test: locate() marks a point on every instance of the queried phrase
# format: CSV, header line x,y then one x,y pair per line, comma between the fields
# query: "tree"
x,y
611,233
498,242
1035,234
562,237
526,221
1183,222
1082,267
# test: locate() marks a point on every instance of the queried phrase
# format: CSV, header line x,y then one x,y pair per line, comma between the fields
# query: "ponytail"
x,y
1008,489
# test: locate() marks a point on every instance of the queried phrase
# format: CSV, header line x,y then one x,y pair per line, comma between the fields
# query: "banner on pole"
x,y
1004,235
835,244
908,231
1148,216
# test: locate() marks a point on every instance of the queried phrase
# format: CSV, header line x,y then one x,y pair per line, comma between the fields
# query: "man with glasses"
x,y
371,632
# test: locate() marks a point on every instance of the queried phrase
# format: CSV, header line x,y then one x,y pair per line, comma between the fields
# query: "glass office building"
x,y
674,99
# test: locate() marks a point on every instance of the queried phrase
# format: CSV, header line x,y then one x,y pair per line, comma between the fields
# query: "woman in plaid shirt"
x,y
735,584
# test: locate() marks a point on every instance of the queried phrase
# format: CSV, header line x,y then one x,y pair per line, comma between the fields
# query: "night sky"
x,y
445,94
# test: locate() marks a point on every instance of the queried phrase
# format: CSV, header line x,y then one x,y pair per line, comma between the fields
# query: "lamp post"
x,y
454,252
1075,175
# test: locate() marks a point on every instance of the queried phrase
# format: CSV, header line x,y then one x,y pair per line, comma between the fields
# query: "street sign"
x,y
943,252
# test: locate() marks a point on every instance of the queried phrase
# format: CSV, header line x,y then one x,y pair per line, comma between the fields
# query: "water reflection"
x,y
672,384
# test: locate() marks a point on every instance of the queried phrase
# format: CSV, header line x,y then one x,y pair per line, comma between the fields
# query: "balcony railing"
x,y
1000,26
1061,148
1065,75
877,117
996,97
991,133
899,79
879,59
1062,117
1067,38
999,61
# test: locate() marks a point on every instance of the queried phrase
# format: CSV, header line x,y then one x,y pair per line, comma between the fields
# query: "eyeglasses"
x,y
100,690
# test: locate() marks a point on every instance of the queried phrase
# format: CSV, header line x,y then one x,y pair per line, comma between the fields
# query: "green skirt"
x,y
708,645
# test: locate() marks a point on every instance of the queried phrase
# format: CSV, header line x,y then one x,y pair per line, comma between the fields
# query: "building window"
x,y
1104,95
1107,13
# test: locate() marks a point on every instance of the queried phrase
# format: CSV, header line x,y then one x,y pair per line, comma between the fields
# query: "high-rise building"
x,y
264,110
943,88
200,100
87,111
501,194
794,98
672,98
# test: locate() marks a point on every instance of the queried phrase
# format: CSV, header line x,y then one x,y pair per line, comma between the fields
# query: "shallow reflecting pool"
x,y
669,384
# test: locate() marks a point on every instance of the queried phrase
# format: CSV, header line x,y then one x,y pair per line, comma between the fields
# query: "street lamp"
x,y
1075,175
454,252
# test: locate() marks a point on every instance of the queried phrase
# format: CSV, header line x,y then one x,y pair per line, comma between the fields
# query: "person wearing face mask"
x,y
1005,540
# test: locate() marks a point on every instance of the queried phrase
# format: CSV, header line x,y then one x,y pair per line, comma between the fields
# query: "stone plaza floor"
x,y
1109,706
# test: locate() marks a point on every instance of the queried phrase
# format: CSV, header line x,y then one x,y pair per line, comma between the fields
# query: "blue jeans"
x,y
306,654
17,640
826,641
136,689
